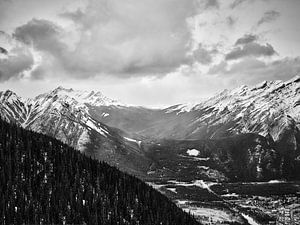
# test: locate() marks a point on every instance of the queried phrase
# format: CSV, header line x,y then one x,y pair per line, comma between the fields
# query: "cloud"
x,y
220,68
268,17
212,4
6,42
230,21
3,51
15,58
251,71
46,38
76,16
246,39
203,55
15,63
237,3
117,38
42,35
250,49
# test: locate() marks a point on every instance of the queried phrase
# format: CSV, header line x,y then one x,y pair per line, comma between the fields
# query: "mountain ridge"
x,y
63,117
44,181
248,134
129,137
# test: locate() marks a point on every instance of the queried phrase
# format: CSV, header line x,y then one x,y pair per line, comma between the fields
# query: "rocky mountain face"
x,y
270,109
64,114
249,133
44,181
245,157
264,109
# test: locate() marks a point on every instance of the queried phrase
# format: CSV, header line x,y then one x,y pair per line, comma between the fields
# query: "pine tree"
x,y
43,181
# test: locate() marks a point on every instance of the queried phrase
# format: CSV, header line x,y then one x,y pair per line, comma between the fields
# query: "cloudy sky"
x,y
145,52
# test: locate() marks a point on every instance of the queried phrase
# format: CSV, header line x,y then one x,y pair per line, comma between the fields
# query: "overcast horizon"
x,y
149,53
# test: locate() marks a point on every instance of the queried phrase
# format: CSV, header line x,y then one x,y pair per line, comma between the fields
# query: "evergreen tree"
x,y
43,181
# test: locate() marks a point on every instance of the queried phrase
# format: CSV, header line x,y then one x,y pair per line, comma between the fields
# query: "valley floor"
x,y
255,203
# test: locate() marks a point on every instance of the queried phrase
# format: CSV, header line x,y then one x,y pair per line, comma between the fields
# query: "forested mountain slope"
x,y
64,114
43,181
133,138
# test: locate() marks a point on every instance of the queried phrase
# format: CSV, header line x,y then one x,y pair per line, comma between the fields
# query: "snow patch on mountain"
x,y
84,138
84,97
187,107
63,113
99,129
133,140
264,108
105,114
250,220
192,152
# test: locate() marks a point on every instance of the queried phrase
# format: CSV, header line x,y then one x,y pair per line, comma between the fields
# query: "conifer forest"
x,y
43,181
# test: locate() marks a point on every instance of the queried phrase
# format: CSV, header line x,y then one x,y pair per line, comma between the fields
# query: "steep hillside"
x,y
12,107
269,110
64,114
247,134
246,157
43,181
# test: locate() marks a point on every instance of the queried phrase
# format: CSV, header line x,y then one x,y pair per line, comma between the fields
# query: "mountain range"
x,y
43,181
245,134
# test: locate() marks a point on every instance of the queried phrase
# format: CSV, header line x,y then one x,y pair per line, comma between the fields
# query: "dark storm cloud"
x,y
246,39
268,17
250,49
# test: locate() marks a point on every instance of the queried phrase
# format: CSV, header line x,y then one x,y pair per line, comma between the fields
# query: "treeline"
x,y
43,181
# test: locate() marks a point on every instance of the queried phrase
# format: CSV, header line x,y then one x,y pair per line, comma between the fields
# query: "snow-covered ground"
x,y
193,152
207,214
133,140
230,195
262,108
250,220
214,215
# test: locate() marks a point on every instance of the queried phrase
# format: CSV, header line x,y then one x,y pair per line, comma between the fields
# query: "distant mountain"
x,y
43,181
253,127
270,109
64,114
266,109
244,157
240,135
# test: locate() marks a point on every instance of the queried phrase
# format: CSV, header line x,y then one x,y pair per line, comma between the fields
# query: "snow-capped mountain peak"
x,y
62,112
12,107
8,95
242,94
79,97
